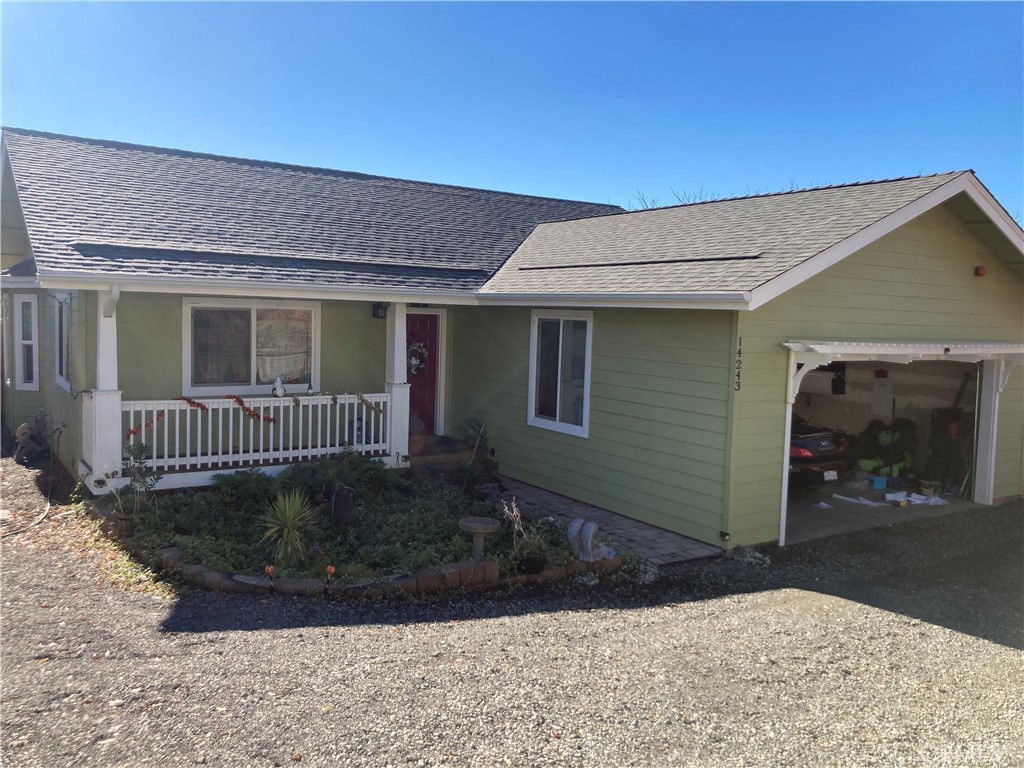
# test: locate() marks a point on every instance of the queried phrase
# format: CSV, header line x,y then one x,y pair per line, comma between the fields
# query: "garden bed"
x,y
401,535
466,574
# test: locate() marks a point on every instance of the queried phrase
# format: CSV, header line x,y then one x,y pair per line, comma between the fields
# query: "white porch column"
x,y
395,373
102,407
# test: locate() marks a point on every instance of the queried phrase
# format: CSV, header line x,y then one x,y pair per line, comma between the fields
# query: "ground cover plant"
x,y
405,522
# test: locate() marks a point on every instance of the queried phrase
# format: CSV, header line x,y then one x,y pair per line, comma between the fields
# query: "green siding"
x,y
20,406
63,409
658,411
916,283
1009,481
149,346
352,348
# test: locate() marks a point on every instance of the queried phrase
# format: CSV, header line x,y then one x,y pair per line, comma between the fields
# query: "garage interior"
x,y
911,429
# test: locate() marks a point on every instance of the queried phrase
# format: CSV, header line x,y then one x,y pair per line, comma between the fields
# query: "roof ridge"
x,y
780,193
290,166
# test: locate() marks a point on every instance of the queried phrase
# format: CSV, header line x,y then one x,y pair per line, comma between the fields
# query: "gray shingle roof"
x,y
127,210
727,245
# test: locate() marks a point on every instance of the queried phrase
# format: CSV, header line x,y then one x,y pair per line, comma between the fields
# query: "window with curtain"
x,y
236,348
284,345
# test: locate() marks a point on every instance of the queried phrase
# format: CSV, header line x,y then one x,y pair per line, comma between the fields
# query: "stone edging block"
x,y
466,574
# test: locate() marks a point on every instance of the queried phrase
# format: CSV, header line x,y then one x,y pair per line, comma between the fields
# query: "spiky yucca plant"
x,y
287,518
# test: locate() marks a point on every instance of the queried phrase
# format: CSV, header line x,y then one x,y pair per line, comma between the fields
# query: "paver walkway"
x,y
654,544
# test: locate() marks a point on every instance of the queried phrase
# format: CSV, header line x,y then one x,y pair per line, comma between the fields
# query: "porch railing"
x,y
220,433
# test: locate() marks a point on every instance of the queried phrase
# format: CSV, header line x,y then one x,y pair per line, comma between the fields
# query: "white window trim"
x,y
531,418
19,355
189,303
62,300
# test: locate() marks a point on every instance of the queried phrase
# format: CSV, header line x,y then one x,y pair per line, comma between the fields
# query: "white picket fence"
x,y
181,436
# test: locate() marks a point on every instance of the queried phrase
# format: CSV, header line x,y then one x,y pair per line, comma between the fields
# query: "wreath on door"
x,y
416,355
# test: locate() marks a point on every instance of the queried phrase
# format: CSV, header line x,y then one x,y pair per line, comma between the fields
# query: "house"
x,y
646,362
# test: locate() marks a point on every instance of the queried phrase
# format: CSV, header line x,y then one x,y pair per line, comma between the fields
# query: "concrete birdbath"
x,y
479,527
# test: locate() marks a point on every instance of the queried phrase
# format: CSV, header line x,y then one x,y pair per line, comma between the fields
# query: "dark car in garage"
x,y
817,454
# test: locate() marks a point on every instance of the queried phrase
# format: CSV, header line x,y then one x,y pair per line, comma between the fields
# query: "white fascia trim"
x,y
717,300
285,291
991,208
966,182
730,300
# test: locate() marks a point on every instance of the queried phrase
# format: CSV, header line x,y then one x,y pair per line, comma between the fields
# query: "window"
x,y
26,342
235,347
62,339
560,371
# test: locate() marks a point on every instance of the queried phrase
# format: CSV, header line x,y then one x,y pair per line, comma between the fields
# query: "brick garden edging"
x,y
466,574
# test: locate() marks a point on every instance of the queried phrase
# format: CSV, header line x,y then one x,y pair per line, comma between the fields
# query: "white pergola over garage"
x,y
998,361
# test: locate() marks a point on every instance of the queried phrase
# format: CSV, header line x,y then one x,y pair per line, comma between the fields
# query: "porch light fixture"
x,y
379,311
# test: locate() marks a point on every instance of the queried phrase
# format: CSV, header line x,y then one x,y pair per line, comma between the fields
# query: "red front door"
x,y
421,335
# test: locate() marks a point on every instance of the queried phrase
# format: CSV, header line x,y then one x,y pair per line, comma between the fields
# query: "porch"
x,y
207,430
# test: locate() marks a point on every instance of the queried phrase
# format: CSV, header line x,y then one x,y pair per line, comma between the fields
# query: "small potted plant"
x,y
531,552
417,434
130,502
529,546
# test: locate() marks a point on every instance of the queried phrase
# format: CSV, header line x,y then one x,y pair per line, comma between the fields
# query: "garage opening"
x,y
885,433
875,443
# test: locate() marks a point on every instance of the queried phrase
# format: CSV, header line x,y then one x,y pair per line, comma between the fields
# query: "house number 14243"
x,y
739,364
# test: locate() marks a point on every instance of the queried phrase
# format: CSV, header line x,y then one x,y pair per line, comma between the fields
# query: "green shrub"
x,y
245,489
287,519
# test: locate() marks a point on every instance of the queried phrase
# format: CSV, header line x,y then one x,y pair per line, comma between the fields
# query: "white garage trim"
x,y
998,361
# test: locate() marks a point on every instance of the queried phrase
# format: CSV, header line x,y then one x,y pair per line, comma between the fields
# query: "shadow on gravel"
x,y
964,571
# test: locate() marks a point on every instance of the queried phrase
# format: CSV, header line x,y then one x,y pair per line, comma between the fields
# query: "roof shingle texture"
x,y
657,251
115,209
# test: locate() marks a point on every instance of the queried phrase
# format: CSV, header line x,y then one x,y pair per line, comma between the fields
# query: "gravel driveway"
x,y
895,647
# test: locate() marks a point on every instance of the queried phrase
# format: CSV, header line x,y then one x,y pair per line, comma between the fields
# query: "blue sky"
x,y
584,101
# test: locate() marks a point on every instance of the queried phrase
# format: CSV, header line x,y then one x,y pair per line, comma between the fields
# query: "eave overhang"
x,y
22,281
737,300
